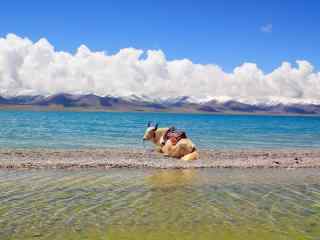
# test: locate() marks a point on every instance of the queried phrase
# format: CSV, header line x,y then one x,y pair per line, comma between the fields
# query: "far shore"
x,y
60,108
140,158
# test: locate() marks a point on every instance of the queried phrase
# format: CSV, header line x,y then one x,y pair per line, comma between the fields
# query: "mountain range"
x,y
141,103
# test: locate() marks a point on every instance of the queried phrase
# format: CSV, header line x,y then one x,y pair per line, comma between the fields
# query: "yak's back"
x,y
174,135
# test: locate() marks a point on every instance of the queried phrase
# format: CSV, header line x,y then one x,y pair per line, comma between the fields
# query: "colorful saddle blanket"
x,y
174,135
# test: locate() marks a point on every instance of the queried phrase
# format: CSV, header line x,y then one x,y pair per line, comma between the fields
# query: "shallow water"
x,y
23,129
160,204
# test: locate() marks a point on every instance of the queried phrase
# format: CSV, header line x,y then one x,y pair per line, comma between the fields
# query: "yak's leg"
x,y
167,149
191,156
159,149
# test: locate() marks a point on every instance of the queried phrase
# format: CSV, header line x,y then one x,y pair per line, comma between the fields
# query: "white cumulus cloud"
x,y
29,68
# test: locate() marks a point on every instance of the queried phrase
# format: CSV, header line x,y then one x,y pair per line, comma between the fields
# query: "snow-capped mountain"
x,y
177,104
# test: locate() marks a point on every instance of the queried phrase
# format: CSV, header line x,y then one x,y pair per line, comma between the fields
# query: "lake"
x,y
24,129
145,203
160,204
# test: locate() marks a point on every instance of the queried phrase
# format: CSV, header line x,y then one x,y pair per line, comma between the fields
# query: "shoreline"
x,y
140,158
31,108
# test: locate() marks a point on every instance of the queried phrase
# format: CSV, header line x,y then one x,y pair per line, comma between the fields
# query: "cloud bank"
x,y
30,68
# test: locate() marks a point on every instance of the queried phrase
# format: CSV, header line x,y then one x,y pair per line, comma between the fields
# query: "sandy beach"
x,y
140,158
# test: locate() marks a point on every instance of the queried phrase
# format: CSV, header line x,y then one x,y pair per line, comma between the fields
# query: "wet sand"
x,y
140,158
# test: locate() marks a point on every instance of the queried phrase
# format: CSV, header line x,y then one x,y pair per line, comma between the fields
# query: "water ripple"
x,y
153,204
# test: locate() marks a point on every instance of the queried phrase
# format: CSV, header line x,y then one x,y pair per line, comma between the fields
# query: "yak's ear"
x,y
149,124
156,126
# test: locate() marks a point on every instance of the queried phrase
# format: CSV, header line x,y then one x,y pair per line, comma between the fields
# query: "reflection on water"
x,y
160,204
167,178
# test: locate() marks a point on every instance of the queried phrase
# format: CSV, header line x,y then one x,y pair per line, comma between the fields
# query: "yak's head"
x,y
150,132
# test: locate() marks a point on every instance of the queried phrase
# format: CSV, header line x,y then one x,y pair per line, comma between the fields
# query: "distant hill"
x,y
136,103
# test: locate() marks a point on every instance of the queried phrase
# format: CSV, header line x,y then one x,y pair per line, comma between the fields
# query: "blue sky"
x,y
226,33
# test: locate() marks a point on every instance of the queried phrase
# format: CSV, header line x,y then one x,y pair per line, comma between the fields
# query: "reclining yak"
x,y
171,142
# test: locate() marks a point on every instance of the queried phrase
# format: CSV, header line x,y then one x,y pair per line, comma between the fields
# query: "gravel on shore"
x,y
139,158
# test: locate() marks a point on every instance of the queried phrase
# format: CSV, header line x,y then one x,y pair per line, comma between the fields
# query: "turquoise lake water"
x,y
158,204
24,129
